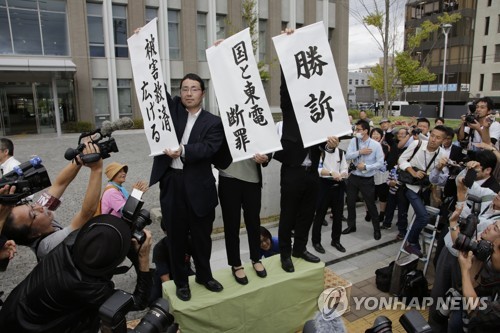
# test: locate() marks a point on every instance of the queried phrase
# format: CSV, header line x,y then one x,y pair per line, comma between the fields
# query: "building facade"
x,y
63,62
485,75
460,54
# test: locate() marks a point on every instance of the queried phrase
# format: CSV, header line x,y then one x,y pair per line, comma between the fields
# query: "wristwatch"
x,y
454,228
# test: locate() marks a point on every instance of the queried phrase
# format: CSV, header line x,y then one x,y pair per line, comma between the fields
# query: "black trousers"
x,y
179,220
299,190
235,195
366,186
331,194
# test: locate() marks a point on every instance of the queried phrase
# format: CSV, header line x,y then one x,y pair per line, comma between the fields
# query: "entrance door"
x,y
45,108
19,111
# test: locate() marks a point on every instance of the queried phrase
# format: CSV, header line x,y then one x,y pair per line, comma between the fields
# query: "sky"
x,y
363,49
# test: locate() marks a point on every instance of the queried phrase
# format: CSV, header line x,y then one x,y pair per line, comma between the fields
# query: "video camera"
x,y
412,322
136,217
105,147
113,311
416,131
28,178
465,241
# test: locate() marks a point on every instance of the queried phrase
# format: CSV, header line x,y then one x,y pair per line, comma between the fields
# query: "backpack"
x,y
99,207
383,277
415,285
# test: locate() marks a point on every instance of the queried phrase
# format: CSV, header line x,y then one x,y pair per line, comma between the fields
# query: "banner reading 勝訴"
x,y
246,116
313,83
150,89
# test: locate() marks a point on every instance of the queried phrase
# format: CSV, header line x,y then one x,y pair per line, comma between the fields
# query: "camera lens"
x,y
157,319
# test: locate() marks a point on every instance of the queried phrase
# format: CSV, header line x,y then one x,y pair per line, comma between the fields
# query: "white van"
x,y
396,107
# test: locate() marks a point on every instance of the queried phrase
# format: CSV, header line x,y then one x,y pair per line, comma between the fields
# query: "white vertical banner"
x,y
150,89
313,83
246,116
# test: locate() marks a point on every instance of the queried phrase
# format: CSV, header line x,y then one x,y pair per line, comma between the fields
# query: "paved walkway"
x,y
364,254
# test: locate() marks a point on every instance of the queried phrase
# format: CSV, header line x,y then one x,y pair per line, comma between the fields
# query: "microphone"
x,y
109,127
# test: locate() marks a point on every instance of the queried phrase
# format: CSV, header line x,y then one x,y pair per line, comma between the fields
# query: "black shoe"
x,y
262,273
307,256
368,218
287,264
348,230
318,248
183,293
212,285
377,235
338,246
240,280
381,217
325,223
386,227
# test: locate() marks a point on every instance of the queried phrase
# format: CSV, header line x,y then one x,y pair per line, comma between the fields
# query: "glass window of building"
x,y
96,31
262,39
174,35
124,97
220,26
101,100
356,82
497,53
350,81
495,81
363,82
33,27
486,25
120,30
483,58
201,35
175,89
151,13
481,82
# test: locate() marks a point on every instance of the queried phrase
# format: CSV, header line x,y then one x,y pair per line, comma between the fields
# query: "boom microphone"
x,y
109,127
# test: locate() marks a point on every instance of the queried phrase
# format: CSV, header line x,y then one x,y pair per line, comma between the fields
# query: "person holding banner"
x,y
368,157
240,187
188,195
299,185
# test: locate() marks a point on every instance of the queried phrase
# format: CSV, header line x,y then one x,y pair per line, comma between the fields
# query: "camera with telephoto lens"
x,y
136,218
112,313
442,313
465,241
28,178
105,147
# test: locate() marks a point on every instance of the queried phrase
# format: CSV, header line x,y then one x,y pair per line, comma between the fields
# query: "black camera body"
x,y
466,241
105,147
28,178
416,131
112,313
136,218
470,118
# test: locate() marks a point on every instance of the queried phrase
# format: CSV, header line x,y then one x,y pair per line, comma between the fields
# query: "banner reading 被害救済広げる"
x,y
150,89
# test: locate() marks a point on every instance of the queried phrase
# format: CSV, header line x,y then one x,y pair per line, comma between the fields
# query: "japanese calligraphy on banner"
x,y
313,83
150,89
245,112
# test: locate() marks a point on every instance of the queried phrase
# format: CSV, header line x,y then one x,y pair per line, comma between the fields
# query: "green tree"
x,y
410,71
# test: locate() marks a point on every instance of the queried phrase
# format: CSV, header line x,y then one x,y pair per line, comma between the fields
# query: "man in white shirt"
x,y
7,160
484,128
419,159
331,194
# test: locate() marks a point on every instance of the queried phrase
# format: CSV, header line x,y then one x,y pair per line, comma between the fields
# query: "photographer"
x,y
418,160
7,247
480,319
64,291
479,126
447,269
33,224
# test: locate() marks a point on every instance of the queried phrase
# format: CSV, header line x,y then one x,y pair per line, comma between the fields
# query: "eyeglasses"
x,y
32,213
192,89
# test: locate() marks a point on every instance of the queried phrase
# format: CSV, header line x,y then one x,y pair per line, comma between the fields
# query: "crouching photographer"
x,y
476,230
64,291
481,286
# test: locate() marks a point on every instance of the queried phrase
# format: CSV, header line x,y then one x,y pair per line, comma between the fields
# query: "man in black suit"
x,y
299,185
188,195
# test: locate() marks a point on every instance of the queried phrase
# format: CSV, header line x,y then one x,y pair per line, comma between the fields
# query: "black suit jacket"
x,y
293,152
205,140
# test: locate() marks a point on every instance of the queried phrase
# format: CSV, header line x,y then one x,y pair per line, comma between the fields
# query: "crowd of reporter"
x,y
83,284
